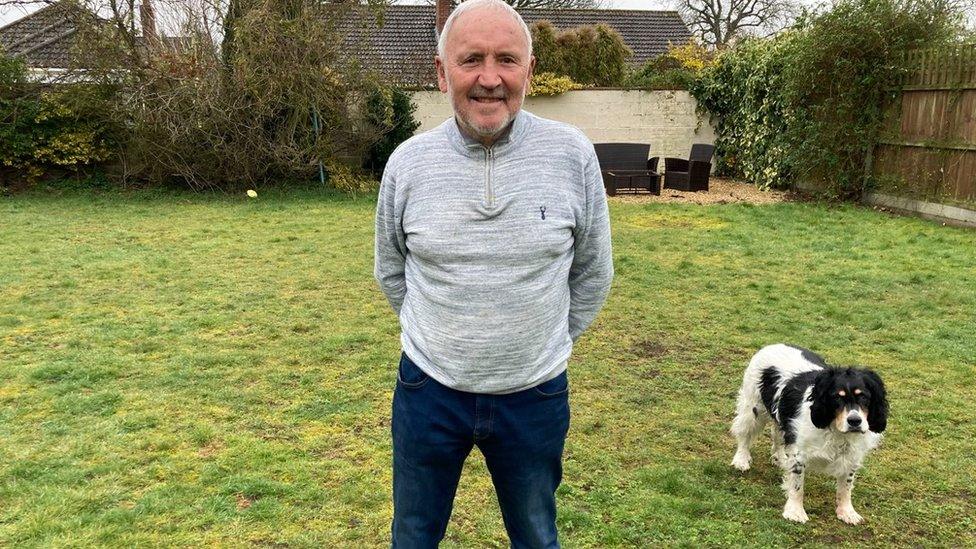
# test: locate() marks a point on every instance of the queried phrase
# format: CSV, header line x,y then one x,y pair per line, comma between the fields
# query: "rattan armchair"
x,y
691,174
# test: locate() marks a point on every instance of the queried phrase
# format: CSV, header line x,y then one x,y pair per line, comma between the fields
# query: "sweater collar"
x,y
469,146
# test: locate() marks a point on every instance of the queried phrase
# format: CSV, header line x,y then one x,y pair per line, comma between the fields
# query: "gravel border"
x,y
720,191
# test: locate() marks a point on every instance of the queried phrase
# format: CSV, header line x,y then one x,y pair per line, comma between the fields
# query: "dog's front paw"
x,y
849,515
741,461
795,512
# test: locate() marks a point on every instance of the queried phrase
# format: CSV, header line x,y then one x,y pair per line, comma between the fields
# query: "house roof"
x,y
401,45
44,38
404,45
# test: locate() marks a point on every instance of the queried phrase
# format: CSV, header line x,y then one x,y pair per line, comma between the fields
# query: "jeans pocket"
x,y
556,386
409,375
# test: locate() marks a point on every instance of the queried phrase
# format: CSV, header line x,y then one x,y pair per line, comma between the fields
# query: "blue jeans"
x,y
521,436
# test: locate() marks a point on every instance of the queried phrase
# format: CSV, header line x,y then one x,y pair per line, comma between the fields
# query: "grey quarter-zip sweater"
x,y
495,259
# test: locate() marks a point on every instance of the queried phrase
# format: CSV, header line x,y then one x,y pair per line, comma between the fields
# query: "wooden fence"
x,y
928,149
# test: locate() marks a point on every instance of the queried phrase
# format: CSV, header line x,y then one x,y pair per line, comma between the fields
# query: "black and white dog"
x,y
825,419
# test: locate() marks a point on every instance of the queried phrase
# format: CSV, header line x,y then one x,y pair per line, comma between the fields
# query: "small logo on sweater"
x,y
542,210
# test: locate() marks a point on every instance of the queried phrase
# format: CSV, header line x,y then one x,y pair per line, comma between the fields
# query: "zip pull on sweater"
x,y
496,259
489,193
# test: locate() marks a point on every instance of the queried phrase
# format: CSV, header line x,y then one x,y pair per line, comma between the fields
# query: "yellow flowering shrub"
x,y
547,83
692,56
675,69
344,179
70,148
45,130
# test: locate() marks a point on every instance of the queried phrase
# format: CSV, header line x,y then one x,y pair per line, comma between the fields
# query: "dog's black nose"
x,y
854,420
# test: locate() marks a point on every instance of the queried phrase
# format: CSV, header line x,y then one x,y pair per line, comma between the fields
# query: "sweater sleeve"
x,y
390,250
592,270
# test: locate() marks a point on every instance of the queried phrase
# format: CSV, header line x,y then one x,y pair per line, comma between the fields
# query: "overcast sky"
x,y
12,13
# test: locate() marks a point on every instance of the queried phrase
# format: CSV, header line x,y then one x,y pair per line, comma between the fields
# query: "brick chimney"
x,y
444,8
147,16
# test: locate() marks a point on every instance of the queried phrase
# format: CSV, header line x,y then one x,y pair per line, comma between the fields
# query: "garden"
x,y
193,350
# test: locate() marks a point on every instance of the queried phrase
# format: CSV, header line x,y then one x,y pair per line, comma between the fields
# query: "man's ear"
x,y
441,74
528,77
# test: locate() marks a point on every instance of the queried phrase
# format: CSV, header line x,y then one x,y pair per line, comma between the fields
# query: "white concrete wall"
x,y
665,119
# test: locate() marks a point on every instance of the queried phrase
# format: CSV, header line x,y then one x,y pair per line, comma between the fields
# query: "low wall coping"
x,y
931,210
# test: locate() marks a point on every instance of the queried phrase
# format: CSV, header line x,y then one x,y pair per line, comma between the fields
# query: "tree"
x,y
720,22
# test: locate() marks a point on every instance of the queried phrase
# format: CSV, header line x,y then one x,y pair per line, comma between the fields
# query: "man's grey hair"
x,y
470,5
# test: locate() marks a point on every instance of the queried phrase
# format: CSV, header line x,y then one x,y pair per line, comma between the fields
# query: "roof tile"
x,y
404,46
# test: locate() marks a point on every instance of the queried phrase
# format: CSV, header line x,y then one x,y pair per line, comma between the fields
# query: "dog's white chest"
x,y
837,455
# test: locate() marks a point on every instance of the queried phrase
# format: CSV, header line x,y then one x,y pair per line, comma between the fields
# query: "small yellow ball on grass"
x,y
252,193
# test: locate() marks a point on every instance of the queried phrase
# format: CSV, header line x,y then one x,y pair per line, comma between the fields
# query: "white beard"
x,y
483,132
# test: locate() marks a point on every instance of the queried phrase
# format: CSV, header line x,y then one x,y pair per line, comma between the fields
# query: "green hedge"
x,y
807,104
592,55
44,131
745,93
391,110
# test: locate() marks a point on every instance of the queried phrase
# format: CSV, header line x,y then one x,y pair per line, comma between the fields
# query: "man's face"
x,y
485,71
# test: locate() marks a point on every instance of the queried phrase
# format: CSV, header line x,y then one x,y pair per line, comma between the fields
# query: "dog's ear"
x,y
822,408
878,407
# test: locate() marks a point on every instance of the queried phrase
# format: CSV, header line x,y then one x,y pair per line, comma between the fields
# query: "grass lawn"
x,y
189,370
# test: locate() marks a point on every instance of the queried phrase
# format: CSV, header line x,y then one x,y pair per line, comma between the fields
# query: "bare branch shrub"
x,y
284,100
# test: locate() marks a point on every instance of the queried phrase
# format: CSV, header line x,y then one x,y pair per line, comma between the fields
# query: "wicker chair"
x,y
626,168
691,174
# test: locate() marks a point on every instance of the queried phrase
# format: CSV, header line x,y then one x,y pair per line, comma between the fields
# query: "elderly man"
x,y
493,247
